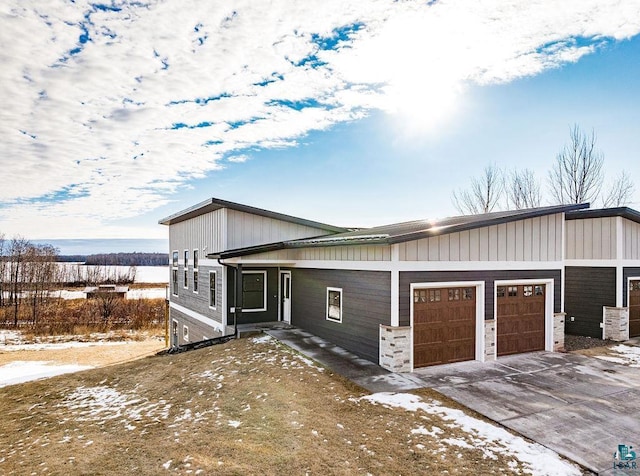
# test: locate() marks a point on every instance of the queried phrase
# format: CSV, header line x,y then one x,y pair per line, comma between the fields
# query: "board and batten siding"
x,y
591,238
587,289
204,232
329,253
488,276
366,303
533,239
245,229
631,234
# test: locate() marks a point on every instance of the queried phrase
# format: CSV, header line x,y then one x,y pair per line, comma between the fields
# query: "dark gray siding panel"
x,y
197,330
489,277
586,291
199,302
366,303
271,314
626,274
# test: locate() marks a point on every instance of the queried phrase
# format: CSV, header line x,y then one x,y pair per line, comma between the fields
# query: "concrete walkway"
x,y
581,407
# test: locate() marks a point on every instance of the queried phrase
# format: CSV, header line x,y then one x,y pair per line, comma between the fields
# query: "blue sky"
x,y
356,115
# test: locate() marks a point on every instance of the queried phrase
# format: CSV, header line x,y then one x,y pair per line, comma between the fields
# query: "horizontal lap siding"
x,y
366,303
408,277
197,330
199,302
587,289
271,314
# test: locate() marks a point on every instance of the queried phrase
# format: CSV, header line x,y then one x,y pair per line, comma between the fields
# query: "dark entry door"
x,y
444,325
520,319
634,309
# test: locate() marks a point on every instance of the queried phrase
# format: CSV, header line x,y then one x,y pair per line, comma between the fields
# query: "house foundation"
x,y
395,348
616,323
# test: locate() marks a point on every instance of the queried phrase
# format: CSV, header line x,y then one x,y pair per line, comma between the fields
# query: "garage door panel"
x,y
520,319
444,326
634,309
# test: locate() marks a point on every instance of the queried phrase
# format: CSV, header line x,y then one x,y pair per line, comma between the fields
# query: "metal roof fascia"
x,y
534,213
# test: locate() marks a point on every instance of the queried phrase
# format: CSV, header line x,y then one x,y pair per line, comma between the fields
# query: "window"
x,y
528,291
186,268
420,295
512,291
254,291
500,291
467,294
454,294
174,274
539,290
185,333
212,288
195,271
334,304
434,295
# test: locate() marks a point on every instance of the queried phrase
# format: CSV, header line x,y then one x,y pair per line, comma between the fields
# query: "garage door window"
x,y
539,290
512,291
334,304
500,291
467,294
528,291
454,294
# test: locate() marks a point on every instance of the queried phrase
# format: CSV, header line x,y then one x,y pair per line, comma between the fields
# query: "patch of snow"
x,y
626,354
421,430
539,460
147,293
234,423
167,465
8,337
23,371
262,339
56,346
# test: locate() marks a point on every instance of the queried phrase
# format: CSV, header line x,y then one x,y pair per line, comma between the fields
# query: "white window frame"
x,y
264,293
174,268
185,333
196,272
326,314
185,274
215,281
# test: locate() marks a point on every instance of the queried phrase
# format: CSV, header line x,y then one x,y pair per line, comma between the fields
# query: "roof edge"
x,y
213,204
624,212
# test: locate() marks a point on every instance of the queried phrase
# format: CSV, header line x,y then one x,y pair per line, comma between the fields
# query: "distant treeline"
x,y
119,259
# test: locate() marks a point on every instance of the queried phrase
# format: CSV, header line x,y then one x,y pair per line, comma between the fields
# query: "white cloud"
x,y
112,130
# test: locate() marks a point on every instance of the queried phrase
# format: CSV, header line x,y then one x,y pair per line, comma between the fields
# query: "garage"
x,y
634,309
520,318
444,325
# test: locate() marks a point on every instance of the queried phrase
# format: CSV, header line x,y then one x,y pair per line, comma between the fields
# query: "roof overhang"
x,y
624,212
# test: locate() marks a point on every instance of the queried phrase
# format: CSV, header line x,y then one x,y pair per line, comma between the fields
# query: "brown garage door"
x,y
520,320
444,325
634,309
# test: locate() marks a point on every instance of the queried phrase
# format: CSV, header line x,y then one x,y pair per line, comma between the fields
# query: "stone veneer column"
x,y
558,331
616,323
489,340
395,348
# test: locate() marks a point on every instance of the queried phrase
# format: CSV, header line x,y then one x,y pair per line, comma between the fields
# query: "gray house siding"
x,y
366,303
197,330
626,274
489,277
199,302
271,314
587,289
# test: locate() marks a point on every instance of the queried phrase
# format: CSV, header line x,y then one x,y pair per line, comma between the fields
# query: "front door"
x,y
634,308
285,296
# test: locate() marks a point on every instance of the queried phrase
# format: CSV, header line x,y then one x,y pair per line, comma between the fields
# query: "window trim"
x,y
185,333
215,304
264,291
185,274
326,314
195,272
174,269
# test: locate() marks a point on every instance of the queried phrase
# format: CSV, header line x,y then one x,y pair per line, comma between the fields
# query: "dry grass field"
x,y
250,406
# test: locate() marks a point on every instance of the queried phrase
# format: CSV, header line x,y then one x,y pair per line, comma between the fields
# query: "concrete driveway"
x,y
581,407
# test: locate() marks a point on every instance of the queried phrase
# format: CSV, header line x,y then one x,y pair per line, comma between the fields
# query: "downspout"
x,y
237,303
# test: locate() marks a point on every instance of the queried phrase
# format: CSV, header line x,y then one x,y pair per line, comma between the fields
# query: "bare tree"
x,y
620,193
522,190
577,175
483,195
3,268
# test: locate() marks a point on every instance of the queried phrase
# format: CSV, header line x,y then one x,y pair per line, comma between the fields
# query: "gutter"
x,y
235,297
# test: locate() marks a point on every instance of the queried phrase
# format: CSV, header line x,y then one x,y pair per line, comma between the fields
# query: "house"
x,y
404,295
602,273
201,302
106,290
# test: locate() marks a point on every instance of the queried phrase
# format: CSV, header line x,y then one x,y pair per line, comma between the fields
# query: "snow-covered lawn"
x,y
22,371
623,354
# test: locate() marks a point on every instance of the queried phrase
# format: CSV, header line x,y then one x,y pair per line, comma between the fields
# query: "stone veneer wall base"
x,y
558,331
616,323
395,348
